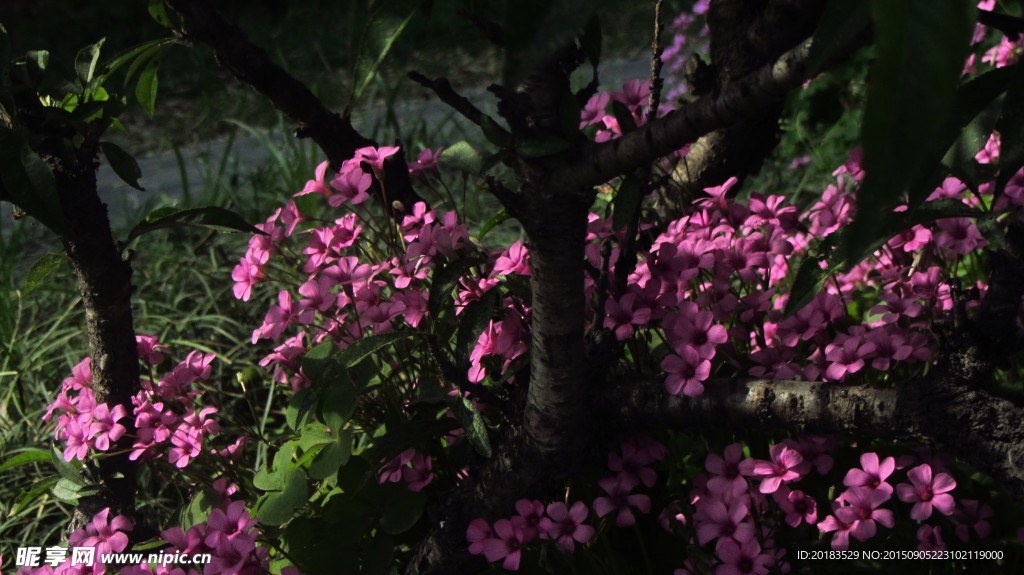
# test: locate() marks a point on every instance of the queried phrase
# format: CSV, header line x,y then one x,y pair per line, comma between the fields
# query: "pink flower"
x,y
873,475
624,314
376,156
717,518
106,535
529,518
926,492
565,525
478,532
972,514
150,351
620,500
507,545
742,559
798,507
685,372
317,184
930,538
862,512
726,480
775,472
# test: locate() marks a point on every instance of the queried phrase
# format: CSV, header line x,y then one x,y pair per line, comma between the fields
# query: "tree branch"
x,y
249,63
601,162
443,88
974,425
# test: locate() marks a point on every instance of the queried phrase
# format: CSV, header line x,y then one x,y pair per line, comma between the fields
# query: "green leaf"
x,y
300,405
445,280
494,133
841,22
402,508
199,508
321,547
123,164
29,181
159,13
333,456
68,491
41,270
363,347
386,24
473,424
810,278
462,157
278,507
210,217
921,46
337,404
25,457
146,88
70,470
86,61
623,116
590,40
627,202
489,225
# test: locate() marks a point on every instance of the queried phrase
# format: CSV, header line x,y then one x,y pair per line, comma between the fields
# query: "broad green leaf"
x,y
198,509
354,475
300,405
70,470
363,347
386,24
921,46
402,508
332,456
461,156
25,457
314,434
494,133
627,201
159,13
810,278
146,88
278,507
123,164
623,116
210,217
590,40
337,404
86,61
29,181
473,424
841,22
445,280
39,271
68,491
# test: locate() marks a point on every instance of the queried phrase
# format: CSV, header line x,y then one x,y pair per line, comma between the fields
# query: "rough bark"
x,y
745,35
249,63
940,408
104,281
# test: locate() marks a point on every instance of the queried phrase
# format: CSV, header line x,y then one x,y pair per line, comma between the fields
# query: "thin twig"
x,y
443,88
656,79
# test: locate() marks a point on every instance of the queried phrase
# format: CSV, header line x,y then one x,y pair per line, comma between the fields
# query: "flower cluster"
x,y
410,466
168,421
564,524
